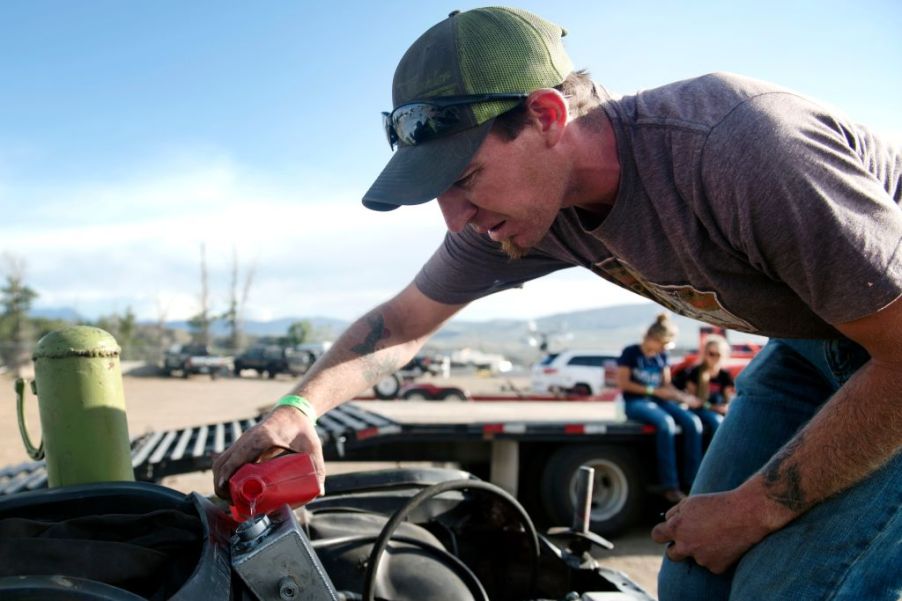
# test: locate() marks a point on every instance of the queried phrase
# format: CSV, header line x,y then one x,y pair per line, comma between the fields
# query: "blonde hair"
x,y
722,345
663,329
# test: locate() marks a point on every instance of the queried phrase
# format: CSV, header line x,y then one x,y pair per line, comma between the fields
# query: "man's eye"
x,y
465,181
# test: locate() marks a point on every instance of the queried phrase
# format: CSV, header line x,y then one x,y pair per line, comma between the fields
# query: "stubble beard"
x,y
512,249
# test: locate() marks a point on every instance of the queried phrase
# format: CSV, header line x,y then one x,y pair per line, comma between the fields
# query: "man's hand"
x,y
285,428
714,529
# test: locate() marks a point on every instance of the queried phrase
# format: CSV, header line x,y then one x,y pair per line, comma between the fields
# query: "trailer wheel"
x,y
453,394
388,387
581,389
617,491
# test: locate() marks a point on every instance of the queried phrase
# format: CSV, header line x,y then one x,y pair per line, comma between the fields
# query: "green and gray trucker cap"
x,y
481,51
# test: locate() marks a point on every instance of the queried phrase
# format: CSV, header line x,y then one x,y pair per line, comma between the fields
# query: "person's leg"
x,y
847,548
710,422
691,427
648,412
777,394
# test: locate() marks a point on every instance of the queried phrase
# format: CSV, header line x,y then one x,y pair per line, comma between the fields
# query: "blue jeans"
x,y
710,421
848,547
665,416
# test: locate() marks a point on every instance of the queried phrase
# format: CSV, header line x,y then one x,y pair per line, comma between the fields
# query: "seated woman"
x,y
643,376
710,385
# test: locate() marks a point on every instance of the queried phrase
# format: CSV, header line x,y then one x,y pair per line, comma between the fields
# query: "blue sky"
x,y
133,132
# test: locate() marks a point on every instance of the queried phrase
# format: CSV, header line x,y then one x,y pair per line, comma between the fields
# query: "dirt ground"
x,y
156,403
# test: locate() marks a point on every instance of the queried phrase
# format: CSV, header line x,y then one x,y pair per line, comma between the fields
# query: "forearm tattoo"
x,y
375,367
783,479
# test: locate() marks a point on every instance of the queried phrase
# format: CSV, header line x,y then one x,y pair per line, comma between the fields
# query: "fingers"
x,y
673,552
674,511
278,432
319,464
662,533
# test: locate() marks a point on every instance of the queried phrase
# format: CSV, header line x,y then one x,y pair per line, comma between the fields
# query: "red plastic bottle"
x,y
258,488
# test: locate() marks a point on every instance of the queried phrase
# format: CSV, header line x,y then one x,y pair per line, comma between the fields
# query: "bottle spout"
x,y
252,487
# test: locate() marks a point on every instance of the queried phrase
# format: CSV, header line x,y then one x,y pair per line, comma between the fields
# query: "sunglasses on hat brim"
x,y
417,122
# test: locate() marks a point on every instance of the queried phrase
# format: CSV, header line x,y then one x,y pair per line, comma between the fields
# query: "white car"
x,y
578,371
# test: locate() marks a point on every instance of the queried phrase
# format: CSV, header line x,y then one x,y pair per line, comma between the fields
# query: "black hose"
x,y
423,496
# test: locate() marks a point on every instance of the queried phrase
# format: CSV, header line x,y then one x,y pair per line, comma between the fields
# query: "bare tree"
x,y
200,323
237,302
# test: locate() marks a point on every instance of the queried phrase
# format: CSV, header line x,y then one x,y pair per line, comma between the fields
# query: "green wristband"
x,y
299,403
650,390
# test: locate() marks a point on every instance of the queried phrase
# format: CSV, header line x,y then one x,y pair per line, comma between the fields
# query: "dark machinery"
x,y
392,535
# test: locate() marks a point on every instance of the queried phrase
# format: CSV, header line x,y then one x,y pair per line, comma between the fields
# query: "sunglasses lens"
x,y
390,134
416,123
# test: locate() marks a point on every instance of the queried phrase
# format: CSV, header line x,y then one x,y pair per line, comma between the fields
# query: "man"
x,y
722,198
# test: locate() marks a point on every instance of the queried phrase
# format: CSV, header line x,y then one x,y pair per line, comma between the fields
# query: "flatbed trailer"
x,y
533,449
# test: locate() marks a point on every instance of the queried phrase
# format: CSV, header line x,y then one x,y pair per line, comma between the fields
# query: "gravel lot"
x,y
156,403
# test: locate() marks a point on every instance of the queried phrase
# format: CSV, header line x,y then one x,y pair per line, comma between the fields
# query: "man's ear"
x,y
548,110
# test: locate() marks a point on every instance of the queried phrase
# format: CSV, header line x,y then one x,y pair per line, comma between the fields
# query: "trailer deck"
x,y
362,430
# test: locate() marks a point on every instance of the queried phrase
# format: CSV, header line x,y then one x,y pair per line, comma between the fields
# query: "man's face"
x,y
512,190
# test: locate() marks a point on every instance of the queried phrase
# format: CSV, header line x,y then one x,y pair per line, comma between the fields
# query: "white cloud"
x,y
103,247
100,248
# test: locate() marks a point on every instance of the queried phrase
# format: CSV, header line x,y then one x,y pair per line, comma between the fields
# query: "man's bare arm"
x,y
374,346
856,432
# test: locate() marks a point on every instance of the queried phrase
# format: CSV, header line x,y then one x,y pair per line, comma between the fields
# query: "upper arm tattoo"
x,y
376,333
376,367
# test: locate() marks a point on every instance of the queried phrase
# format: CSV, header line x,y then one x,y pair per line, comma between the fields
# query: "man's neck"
x,y
596,166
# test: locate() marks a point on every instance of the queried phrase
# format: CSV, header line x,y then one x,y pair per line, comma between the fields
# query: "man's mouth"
x,y
494,231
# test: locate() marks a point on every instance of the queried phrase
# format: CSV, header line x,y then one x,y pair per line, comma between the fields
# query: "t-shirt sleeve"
x,y
797,200
690,374
468,266
725,379
628,357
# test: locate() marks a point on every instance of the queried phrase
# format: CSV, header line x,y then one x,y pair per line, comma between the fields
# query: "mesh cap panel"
x,y
508,50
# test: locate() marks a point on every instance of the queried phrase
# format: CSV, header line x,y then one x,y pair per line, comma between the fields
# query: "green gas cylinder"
x,y
78,383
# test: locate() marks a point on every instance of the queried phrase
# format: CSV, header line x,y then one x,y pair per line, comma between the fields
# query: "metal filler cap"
x,y
76,341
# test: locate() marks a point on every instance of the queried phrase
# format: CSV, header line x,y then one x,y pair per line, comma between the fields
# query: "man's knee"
x,y
686,581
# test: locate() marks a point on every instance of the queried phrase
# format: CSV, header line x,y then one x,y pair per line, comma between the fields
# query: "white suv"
x,y
582,372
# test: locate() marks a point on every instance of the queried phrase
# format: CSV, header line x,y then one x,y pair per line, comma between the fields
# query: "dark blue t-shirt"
x,y
647,371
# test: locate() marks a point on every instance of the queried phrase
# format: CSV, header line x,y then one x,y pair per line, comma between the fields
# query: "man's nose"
x,y
456,209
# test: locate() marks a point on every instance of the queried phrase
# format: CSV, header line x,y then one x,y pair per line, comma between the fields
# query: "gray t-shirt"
x,y
740,204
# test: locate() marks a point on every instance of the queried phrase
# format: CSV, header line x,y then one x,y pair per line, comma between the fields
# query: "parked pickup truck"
x,y
272,360
190,359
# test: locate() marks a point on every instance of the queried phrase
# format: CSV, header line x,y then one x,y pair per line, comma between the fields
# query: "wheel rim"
x,y
387,386
610,490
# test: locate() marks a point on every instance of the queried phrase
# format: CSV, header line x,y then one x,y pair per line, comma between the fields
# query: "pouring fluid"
x,y
258,488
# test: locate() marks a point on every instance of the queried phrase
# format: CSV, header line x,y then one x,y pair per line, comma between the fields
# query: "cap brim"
x,y
417,174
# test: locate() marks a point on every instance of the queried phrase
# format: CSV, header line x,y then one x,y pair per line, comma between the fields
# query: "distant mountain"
x,y
608,328
277,327
61,313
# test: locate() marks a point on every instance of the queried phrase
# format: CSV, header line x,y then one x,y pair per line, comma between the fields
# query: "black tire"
x,y
238,368
388,387
581,390
416,394
617,494
453,394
